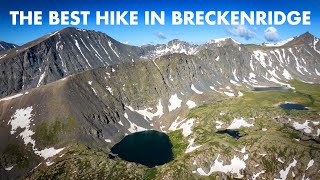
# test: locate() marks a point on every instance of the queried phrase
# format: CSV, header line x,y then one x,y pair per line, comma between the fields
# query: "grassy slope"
x,y
278,141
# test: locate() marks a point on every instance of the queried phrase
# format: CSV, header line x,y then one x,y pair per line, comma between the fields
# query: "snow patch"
x,y
311,162
49,163
41,78
195,90
252,76
147,114
77,44
191,104
229,94
255,176
11,97
107,140
22,118
317,72
280,160
219,124
284,172
175,124
238,123
94,91
133,127
235,75
243,150
175,102
235,166
186,127
48,152
190,147
109,89
110,45
286,74
8,168
305,126
260,56
2,56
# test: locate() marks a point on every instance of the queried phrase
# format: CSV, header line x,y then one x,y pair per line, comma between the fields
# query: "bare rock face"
x,y
57,55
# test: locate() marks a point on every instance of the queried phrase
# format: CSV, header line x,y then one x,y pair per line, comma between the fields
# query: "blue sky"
x,y
142,34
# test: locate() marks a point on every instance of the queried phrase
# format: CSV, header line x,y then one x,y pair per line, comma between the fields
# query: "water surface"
x,y
233,133
150,148
291,106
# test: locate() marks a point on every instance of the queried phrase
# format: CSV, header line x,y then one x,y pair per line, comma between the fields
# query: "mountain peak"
x,y
227,40
176,41
70,29
305,38
307,35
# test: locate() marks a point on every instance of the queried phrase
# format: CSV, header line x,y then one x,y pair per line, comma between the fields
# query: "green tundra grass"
x,y
278,140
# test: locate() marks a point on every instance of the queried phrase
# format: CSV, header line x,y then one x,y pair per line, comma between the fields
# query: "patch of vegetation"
x,y
47,134
289,132
269,165
311,91
15,153
150,174
179,144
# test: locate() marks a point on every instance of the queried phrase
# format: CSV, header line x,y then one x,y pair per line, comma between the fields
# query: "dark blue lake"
x,y
233,133
290,106
150,148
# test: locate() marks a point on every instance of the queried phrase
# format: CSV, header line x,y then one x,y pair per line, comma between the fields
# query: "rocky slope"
x,y
80,92
58,55
4,46
71,51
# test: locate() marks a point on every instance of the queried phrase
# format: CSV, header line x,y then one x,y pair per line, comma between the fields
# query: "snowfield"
x,y
185,125
48,152
235,166
191,104
238,123
175,102
195,89
22,119
190,147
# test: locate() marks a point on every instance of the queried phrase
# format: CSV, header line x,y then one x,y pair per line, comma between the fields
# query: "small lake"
x,y
149,148
291,106
271,89
233,133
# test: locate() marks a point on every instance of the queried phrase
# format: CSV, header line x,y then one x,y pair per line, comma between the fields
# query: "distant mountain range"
x,y
80,86
72,50
4,46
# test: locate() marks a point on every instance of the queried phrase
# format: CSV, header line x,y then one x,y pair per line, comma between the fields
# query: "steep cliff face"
x,y
76,88
57,55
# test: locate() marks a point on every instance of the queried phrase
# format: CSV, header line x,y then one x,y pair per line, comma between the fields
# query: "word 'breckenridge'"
x,y
240,18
